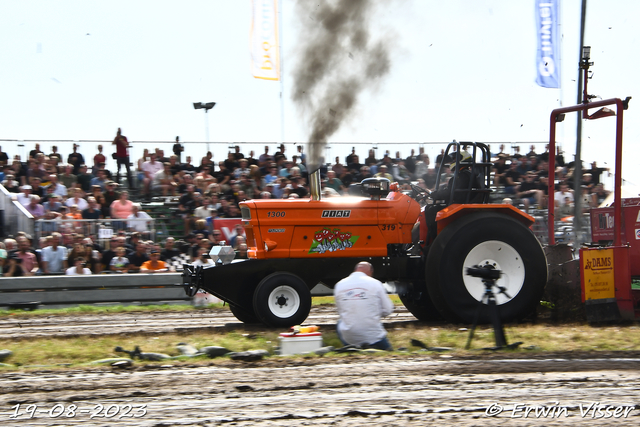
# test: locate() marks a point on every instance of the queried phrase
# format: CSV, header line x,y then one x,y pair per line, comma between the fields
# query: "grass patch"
x,y
544,338
92,309
331,300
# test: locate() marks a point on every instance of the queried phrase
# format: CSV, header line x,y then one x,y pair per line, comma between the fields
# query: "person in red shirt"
x,y
122,156
99,158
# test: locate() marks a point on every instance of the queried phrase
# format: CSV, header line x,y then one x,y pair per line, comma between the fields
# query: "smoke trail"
x,y
337,62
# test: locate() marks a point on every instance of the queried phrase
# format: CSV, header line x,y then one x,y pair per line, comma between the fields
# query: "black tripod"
x,y
489,275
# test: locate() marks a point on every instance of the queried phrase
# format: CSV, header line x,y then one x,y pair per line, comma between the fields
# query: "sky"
x,y
459,69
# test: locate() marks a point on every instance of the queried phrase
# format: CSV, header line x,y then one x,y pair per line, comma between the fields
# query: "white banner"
x,y
547,58
265,53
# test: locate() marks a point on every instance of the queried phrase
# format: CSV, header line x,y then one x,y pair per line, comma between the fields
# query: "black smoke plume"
x,y
337,60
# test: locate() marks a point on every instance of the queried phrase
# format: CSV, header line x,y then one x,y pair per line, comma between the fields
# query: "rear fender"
x,y
456,211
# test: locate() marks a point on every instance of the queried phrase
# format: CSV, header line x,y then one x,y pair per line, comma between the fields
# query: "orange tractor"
x,y
421,245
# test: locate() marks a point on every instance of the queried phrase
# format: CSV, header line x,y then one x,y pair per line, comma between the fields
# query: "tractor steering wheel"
x,y
419,194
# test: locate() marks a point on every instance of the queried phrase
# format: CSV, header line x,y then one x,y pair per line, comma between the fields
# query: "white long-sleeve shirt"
x,y
361,301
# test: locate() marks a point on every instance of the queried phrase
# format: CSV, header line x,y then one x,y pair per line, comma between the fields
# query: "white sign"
x,y
105,233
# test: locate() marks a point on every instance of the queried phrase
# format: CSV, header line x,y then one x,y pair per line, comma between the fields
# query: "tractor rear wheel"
x,y
245,316
416,299
486,238
282,300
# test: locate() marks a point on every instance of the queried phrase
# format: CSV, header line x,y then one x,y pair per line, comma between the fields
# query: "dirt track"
x,y
394,391
413,389
148,323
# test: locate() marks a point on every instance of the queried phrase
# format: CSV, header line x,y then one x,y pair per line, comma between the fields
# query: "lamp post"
x,y
206,106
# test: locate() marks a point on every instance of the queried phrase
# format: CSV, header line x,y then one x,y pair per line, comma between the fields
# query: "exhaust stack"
x,y
314,185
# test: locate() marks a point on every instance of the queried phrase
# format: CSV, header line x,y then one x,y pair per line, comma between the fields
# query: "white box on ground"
x,y
299,343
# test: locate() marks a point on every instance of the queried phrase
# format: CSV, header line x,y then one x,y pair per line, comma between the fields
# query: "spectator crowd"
x,y
72,193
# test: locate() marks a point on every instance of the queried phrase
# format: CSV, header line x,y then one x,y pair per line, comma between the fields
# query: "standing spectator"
x,y
265,158
138,216
178,148
122,156
54,257
79,268
34,153
98,159
362,301
76,159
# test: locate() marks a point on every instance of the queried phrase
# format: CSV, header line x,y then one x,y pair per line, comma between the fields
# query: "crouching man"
x,y
362,301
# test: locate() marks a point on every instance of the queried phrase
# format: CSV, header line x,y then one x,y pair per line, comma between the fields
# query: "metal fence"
x,y
100,230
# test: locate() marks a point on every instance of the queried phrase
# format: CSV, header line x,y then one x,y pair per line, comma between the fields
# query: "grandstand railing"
x,y
101,230
14,216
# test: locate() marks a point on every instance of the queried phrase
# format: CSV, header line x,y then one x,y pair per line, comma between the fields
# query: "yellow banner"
x,y
265,52
598,274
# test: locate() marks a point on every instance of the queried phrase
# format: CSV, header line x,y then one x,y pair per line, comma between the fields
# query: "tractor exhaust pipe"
x,y
314,185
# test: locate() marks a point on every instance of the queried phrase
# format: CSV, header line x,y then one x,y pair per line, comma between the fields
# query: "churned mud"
x,y
538,389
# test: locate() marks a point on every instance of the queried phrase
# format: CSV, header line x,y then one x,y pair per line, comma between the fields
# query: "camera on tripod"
x,y
487,272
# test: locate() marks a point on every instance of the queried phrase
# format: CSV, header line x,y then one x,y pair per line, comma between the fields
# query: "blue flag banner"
x,y
547,59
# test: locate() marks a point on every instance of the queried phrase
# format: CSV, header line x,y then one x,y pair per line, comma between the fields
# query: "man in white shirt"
x,y
564,200
136,214
362,301
54,257
25,197
150,168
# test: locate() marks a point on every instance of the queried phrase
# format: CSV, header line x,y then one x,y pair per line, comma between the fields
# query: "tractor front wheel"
x,y
245,316
486,238
282,300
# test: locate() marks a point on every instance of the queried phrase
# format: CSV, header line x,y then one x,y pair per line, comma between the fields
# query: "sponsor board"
x,y
598,274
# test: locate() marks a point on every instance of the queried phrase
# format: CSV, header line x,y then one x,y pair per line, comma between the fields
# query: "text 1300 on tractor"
x,y
297,243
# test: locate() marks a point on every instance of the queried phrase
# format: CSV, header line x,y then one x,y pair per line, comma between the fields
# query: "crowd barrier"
x,y
104,289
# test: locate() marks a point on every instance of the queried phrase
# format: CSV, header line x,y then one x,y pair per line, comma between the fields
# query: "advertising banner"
x,y
547,58
265,53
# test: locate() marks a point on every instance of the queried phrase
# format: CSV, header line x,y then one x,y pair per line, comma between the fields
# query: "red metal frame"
x,y
555,114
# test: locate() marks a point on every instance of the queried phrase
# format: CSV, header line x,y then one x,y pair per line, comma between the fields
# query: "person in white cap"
x,y
25,197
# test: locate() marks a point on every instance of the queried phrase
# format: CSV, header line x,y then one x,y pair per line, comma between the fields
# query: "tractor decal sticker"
x,y
638,232
331,240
